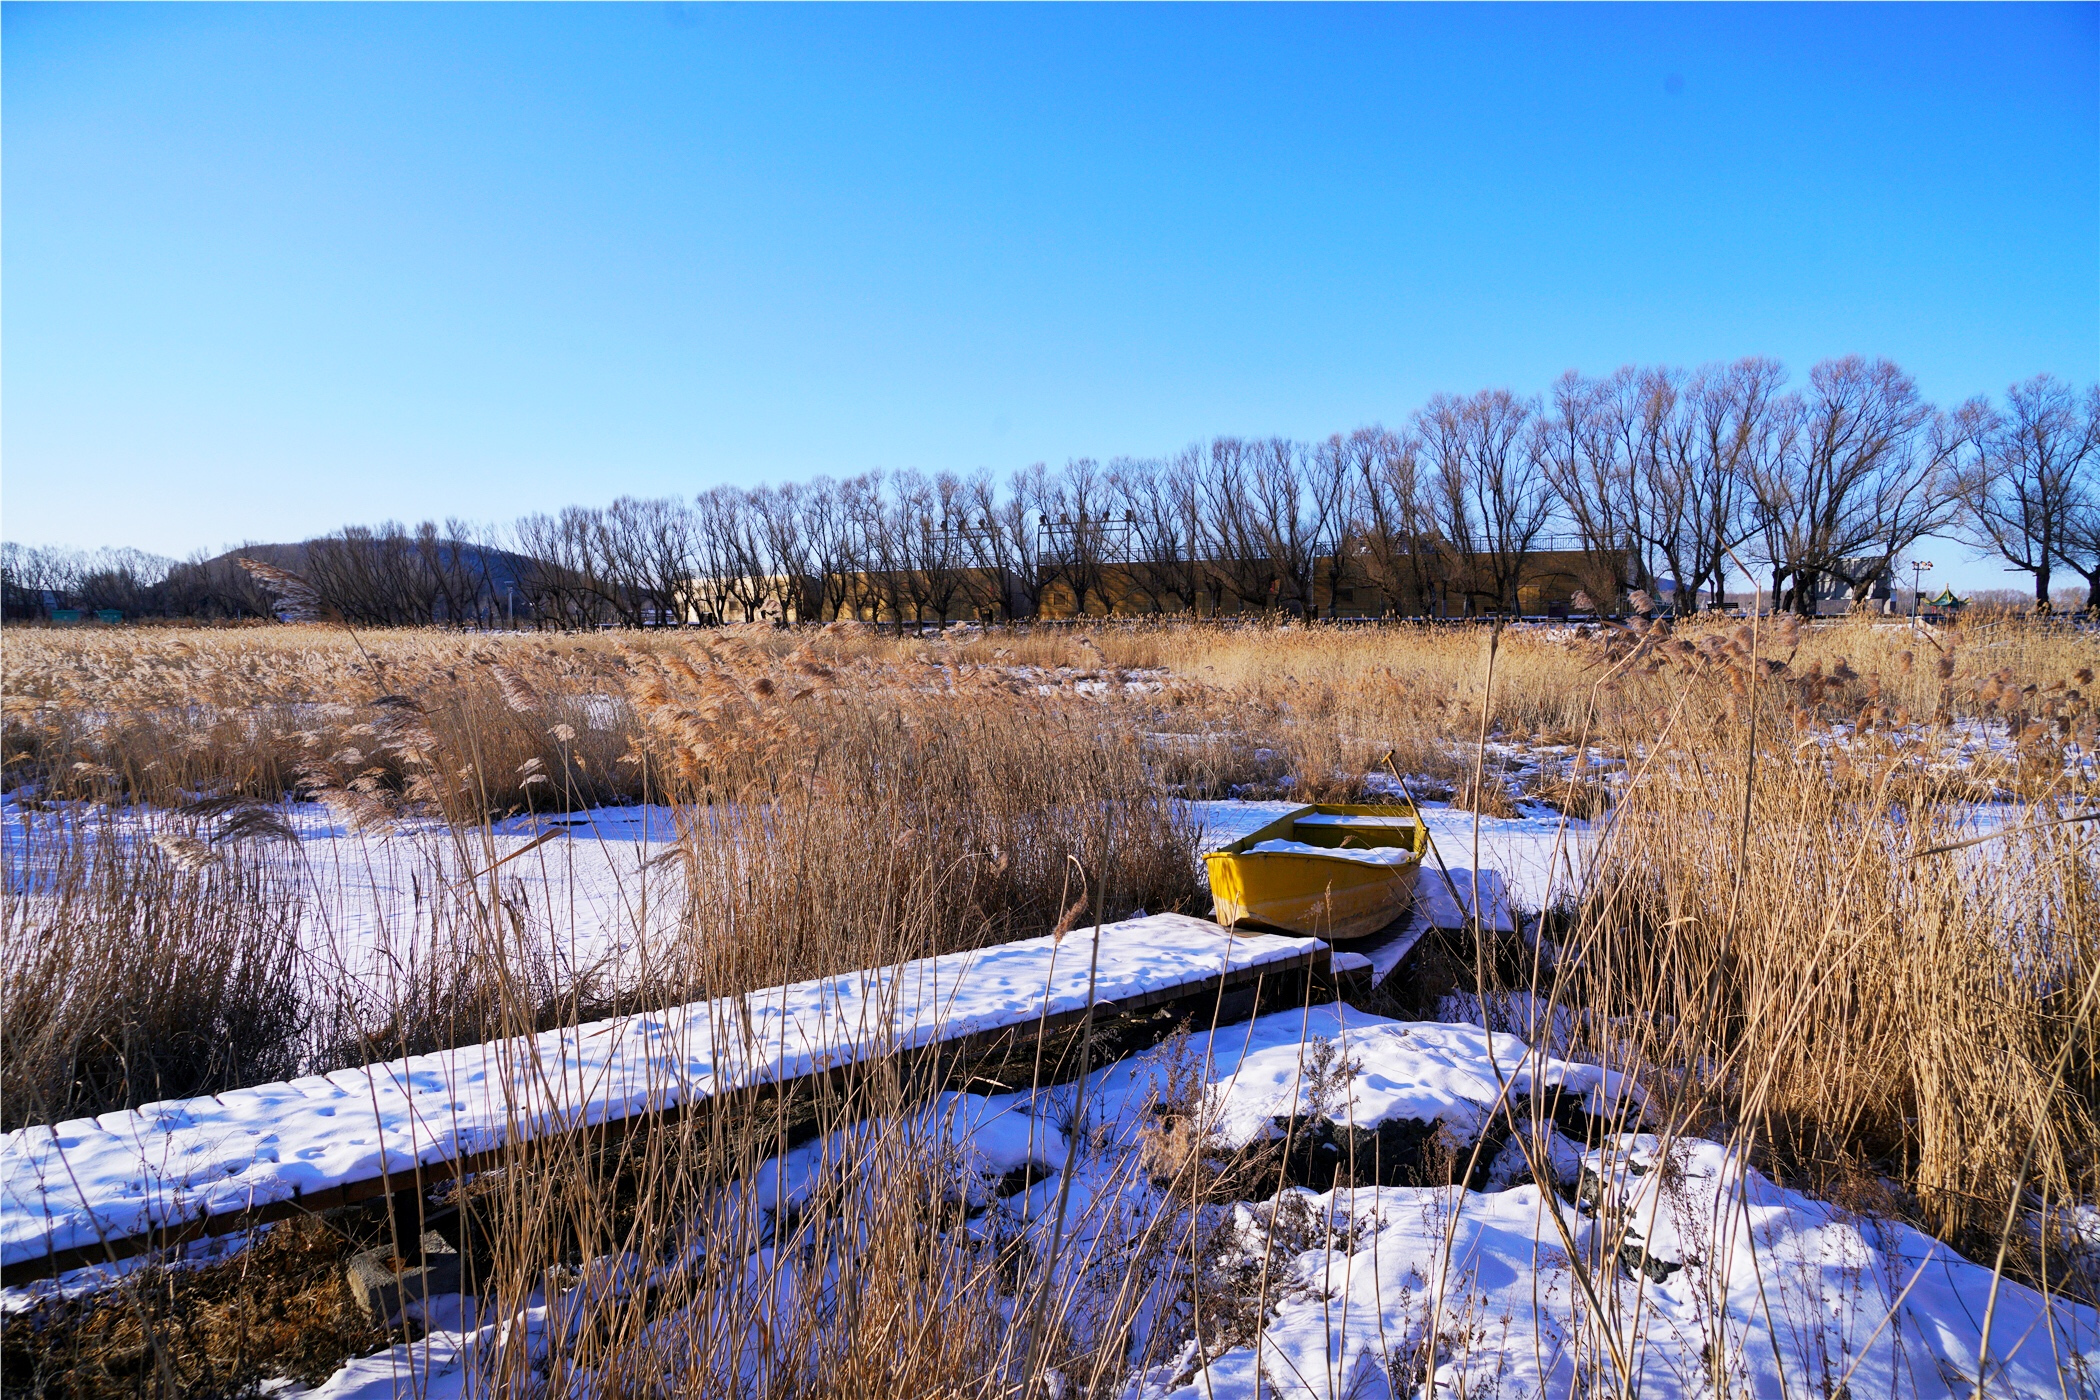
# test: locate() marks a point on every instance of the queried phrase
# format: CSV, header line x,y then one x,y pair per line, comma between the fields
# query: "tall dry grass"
x,y
836,817
1789,927
129,973
545,722
1801,974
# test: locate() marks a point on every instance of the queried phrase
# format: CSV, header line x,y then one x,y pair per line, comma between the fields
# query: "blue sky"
x,y
272,269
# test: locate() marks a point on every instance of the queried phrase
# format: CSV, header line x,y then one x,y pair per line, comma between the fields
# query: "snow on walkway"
x,y
124,1173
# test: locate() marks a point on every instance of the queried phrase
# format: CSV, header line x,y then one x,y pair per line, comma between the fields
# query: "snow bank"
x,y
1690,1274
1254,1072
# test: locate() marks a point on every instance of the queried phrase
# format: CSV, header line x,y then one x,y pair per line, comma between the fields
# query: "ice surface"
x,y
375,904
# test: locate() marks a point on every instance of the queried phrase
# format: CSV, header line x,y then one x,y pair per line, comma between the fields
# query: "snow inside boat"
x,y
1329,871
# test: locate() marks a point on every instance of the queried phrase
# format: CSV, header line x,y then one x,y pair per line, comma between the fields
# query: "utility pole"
x,y
1917,567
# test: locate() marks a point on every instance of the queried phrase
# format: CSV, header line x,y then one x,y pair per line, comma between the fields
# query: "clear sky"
x,y
268,270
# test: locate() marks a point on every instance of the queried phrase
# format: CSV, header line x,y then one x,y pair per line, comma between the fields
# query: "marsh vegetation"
x,y
1764,939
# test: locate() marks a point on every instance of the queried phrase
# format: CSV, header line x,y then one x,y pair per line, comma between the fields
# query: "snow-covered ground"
x,y
589,898
1665,1269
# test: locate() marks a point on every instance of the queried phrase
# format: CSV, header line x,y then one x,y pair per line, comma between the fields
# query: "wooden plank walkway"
x,y
108,1187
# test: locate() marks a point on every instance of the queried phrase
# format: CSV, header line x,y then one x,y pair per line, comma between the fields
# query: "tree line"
x,y
1658,480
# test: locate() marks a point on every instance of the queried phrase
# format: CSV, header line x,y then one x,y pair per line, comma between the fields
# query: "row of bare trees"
x,y
1657,480
1660,480
36,579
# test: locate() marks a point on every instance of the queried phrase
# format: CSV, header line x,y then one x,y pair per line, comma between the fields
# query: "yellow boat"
x,y
1330,871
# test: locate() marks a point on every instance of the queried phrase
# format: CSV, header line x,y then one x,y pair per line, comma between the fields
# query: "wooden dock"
x,y
105,1188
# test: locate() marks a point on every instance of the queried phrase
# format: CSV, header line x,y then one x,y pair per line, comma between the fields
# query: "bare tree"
x,y
2080,547
1491,493
612,560
941,542
1282,529
887,551
643,550
832,535
22,580
1020,520
1393,530
1178,532
787,517
482,550
1080,540
1443,429
2080,550
715,553
903,538
213,587
458,570
669,557
1596,448
995,544
1332,487
844,546
1239,559
47,570
103,580
1856,484
747,578
582,575
1158,500
2025,473
379,576
556,577
1723,434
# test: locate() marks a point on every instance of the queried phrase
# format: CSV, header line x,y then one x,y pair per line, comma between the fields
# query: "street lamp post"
x,y
1917,567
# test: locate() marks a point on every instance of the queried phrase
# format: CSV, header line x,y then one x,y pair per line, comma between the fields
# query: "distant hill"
x,y
377,579
505,568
